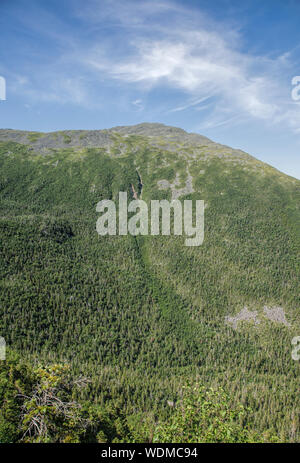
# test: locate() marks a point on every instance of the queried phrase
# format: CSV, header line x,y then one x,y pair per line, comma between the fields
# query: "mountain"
x,y
142,315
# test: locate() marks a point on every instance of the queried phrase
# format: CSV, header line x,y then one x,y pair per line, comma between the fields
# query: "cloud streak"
x,y
201,58
143,46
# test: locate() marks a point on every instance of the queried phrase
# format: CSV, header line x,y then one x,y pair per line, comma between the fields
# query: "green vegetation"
x,y
34,136
40,404
67,139
205,415
141,317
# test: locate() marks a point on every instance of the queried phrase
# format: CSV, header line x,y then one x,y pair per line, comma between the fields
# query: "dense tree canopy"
x,y
143,316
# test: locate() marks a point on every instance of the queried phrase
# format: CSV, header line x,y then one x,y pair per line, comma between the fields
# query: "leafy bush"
x,y
205,415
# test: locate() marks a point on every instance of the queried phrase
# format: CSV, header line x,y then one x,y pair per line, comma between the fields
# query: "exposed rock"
x,y
276,314
244,315
177,192
156,134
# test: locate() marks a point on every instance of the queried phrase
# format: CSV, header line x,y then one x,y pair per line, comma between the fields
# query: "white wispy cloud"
x,y
160,44
200,58
138,104
58,88
194,103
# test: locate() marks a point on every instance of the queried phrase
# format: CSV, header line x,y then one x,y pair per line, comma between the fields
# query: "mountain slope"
x,y
141,315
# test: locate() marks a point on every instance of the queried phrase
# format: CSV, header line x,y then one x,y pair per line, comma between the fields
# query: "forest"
x,y
128,334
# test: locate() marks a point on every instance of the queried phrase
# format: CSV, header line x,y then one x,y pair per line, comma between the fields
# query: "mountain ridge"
x,y
102,137
158,135
142,315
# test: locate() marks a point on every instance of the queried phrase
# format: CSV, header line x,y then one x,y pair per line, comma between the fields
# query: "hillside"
x,y
143,315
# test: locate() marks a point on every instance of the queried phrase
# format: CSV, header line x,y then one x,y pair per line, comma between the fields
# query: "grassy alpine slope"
x,y
142,316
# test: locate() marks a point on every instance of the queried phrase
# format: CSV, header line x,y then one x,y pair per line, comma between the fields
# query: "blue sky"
x,y
221,68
